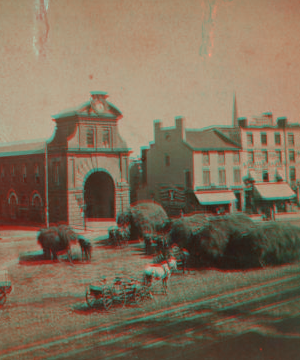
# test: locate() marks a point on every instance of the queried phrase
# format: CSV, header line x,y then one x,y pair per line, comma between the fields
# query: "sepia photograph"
x,y
149,179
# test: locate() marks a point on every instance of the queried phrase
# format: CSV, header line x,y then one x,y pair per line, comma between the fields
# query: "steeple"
x,y
234,112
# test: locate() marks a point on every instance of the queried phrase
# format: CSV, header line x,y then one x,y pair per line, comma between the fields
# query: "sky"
x,y
156,59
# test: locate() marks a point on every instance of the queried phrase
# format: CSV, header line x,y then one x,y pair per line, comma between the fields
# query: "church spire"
x,y
234,112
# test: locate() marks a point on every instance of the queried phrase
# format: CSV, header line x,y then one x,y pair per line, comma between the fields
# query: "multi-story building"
x,y
247,166
80,173
188,170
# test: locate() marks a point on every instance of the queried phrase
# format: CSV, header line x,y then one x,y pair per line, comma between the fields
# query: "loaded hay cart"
x,y
5,286
121,291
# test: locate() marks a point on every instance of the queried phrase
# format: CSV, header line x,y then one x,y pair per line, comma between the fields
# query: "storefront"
x,y
217,202
271,198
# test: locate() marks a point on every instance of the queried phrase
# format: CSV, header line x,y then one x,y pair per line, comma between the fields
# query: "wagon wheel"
x,y
140,295
125,242
2,297
119,293
91,298
107,298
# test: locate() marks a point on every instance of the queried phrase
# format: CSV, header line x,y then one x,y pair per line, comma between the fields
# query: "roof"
x,y
209,139
215,197
275,191
107,110
23,148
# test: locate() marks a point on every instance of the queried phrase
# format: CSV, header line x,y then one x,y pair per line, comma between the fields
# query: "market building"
x,y
80,174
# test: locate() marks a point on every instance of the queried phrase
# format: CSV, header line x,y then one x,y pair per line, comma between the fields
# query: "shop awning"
x,y
275,191
215,197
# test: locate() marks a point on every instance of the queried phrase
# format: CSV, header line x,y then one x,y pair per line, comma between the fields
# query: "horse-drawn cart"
x,y
121,291
5,286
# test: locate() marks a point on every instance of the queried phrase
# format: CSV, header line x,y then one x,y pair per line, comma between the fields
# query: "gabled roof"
x,y
209,139
23,148
108,110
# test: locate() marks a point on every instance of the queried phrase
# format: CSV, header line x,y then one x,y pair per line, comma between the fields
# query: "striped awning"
x,y
275,191
215,197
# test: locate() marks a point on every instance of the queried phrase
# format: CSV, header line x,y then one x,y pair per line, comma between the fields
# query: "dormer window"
x,y
90,138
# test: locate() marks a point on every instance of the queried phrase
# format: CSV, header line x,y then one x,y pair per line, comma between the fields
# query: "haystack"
x,y
144,218
273,243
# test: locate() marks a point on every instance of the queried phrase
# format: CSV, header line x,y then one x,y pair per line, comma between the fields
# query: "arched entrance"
x,y
99,196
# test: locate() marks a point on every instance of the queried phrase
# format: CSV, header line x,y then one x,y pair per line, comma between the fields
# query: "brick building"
x,y
80,174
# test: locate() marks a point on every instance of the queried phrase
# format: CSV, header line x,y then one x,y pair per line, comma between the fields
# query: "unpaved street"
x,y
47,313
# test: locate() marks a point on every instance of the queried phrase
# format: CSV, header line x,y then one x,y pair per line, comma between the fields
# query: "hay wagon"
x,y
5,286
120,292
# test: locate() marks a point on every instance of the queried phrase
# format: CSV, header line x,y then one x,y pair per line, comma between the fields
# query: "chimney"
x,y
157,126
281,122
243,122
180,126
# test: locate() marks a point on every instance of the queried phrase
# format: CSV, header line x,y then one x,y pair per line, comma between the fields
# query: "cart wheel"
x,y
2,297
119,293
91,298
139,295
107,298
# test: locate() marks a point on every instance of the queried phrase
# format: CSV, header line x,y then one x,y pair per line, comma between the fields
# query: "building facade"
x,y
80,174
233,168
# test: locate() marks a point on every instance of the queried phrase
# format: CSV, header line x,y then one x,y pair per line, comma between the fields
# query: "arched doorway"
x,y
99,196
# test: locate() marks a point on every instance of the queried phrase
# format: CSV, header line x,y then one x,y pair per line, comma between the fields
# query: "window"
x,y
56,169
221,157
250,157
249,139
222,177
291,139
236,157
12,172
278,156
292,174
205,158
263,138
277,139
167,160
292,156
2,172
206,177
265,156
265,176
37,174
106,137
90,138
237,176
24,173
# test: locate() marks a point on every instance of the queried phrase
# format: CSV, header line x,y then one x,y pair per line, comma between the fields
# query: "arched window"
x,y
13,203
24,173
37,173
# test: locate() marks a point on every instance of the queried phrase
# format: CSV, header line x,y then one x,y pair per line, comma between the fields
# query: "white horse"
x,y
157,272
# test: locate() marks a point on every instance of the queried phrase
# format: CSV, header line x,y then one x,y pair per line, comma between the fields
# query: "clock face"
x,y
98,106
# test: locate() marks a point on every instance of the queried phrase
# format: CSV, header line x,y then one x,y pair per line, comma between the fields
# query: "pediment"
x,y
97,106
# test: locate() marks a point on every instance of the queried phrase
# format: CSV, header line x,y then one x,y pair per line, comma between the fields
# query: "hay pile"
x,y
272,243
183,229
211,237
144,218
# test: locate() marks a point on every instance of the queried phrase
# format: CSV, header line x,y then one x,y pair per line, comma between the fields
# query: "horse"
x,y
171,260
181,255
86,248
158,272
